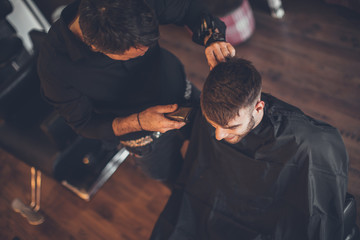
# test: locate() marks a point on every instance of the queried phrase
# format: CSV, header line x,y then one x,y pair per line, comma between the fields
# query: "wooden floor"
x,y
310,59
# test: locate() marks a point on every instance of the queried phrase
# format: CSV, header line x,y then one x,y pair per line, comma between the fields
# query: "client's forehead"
x,y
236,121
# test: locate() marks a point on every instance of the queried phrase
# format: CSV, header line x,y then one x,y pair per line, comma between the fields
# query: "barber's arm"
x,y
151,119
208,31
79,113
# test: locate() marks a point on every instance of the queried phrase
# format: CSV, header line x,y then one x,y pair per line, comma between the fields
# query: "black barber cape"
x,y
287,179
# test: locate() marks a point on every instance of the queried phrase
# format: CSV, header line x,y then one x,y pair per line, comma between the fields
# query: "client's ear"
x,y
259,106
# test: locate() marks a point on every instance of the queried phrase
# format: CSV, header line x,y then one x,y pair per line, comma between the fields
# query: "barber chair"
x,y
31,130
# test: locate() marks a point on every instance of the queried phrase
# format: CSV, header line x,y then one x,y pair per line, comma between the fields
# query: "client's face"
x,y
237,128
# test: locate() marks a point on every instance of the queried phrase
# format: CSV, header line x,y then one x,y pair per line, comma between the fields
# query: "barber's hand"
x,y
153,119
217,52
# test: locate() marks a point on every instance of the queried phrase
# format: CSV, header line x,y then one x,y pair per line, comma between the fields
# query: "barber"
x,y
103,70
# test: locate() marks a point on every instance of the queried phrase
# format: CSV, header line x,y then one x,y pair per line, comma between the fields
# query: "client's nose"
x,y
220,133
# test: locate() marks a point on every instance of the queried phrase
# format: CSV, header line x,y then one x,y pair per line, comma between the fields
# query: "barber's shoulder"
x,y
53,67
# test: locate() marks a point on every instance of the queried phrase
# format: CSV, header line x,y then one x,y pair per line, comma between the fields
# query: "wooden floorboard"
x,y
126,207
310,59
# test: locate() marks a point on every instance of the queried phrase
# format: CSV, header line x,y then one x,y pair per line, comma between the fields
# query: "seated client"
x,y
256,168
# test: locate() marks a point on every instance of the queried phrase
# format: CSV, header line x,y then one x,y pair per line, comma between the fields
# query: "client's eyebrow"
x,y
233,126
225,127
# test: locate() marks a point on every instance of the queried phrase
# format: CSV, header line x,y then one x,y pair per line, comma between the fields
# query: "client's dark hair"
x,y
230,86
114,26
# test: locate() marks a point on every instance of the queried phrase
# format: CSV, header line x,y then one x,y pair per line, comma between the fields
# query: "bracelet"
x,y
137,116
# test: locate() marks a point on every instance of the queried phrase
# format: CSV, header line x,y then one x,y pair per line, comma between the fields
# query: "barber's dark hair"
x,y
230,86
114,26
221,8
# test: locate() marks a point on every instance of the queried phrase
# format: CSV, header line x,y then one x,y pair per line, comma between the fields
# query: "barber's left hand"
x,y
217,52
